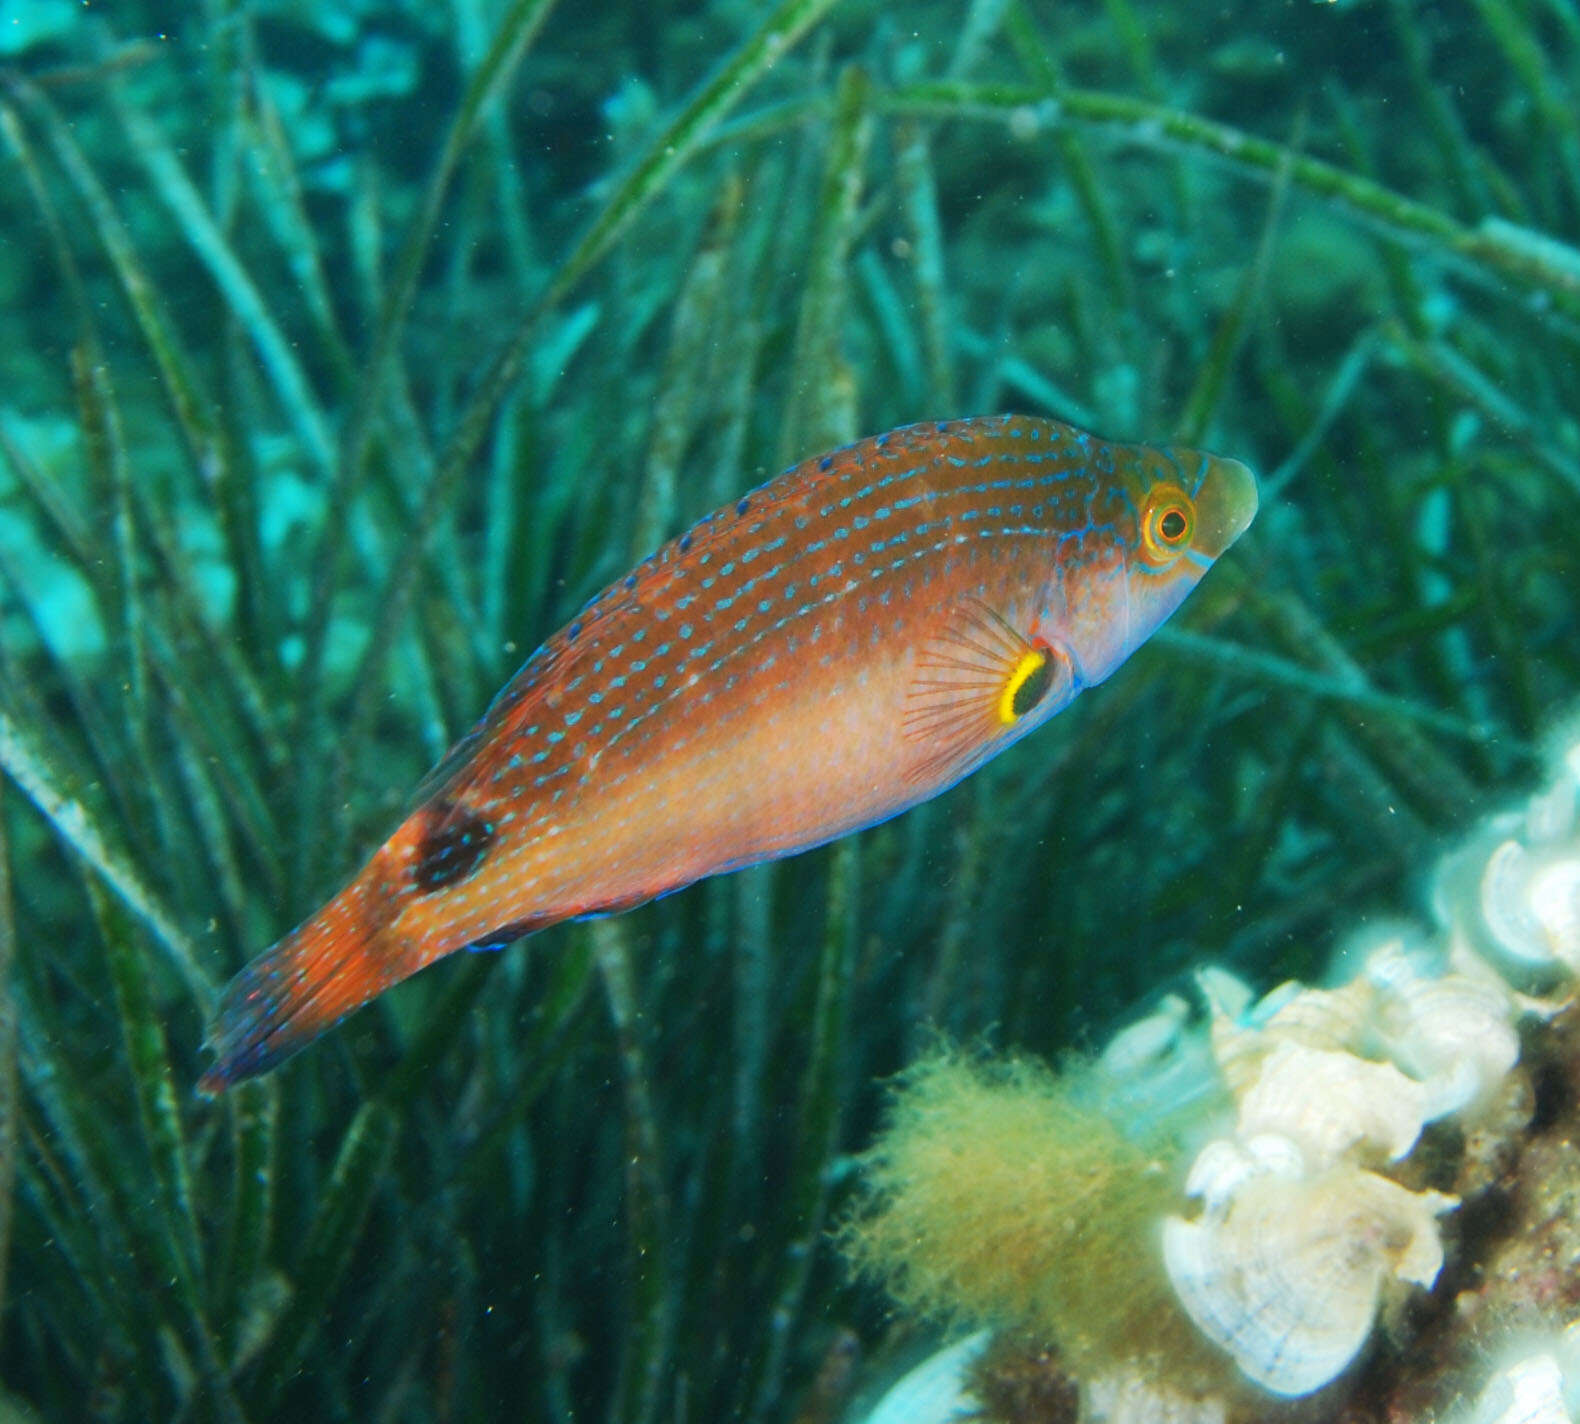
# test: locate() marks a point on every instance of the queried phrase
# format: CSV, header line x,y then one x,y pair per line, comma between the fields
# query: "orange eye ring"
x,y
1168,522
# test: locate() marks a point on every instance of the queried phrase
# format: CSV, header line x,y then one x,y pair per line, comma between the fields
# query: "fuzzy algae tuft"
x,y
999,1194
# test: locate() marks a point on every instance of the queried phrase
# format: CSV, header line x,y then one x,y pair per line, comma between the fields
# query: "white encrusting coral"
x,y
1334,1106
1298,1239
1530,1391
1245,1032
1300,1232
1285,1270
1513,891
1453,1029
1541,1387
935,1391
1530,904
1155,1068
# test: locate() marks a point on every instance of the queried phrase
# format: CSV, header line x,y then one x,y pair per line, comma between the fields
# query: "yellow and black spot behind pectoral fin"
x,y
976,679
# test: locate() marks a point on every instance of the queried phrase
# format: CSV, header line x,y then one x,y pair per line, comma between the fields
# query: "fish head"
x,y
1167,517
1187,507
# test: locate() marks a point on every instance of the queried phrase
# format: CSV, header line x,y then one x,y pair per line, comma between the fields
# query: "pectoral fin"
x,y
976,679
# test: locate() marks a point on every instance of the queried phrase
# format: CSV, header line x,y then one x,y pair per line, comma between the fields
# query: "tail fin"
x,y
292,992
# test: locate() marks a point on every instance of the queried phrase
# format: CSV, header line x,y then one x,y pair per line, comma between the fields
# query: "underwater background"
x,y
346,349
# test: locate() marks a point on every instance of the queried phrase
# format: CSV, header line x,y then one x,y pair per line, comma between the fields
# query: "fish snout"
x,y
1225,505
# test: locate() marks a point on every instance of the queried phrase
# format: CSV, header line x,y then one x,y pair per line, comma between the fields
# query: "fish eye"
x,y
1167,524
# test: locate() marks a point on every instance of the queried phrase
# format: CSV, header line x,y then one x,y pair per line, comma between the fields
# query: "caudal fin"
x,y
292,992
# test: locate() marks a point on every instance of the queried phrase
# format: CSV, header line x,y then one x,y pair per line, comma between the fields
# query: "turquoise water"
x,y
346,350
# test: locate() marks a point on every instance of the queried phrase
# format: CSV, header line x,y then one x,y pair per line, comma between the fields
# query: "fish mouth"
x,y
1225,505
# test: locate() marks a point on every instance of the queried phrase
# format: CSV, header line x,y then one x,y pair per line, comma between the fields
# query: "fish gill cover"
x,y
346,350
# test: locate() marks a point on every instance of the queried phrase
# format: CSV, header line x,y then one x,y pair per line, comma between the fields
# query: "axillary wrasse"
x,y
845,641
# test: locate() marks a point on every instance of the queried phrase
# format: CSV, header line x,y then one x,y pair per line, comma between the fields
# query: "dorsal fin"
x,y
512,707
438,775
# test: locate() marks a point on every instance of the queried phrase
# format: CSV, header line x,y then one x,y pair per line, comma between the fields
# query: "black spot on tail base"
x,y
453,846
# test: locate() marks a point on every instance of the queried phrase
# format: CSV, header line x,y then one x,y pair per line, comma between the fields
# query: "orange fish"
x,y
834,647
